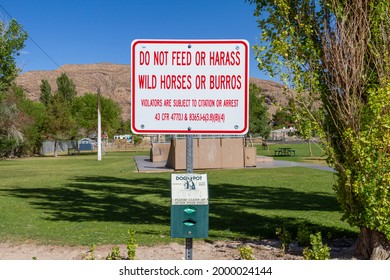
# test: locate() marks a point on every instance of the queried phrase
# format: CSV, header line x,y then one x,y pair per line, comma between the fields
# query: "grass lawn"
x,y
302,152
77,200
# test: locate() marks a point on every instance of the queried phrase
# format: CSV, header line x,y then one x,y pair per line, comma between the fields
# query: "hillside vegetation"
x,y
114,82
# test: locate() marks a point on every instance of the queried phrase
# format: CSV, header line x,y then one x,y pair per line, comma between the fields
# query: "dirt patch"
x,y
264,250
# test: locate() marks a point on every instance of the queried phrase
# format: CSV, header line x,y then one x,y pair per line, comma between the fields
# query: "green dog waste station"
x,y
189,206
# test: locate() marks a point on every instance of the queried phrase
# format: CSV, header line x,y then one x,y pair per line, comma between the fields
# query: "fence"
x,y
62,146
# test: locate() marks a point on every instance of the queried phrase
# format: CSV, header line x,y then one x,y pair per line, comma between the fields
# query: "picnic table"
x,y
284,152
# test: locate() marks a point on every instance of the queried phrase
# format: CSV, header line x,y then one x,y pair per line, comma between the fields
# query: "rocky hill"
x,y
114,82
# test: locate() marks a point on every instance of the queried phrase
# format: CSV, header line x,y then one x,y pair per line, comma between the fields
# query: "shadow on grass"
x,y
102,199
146,200
246,210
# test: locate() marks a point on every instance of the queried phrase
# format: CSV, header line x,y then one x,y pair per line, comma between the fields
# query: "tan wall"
x,y
232,153
208,153
177,154
250,156
159,152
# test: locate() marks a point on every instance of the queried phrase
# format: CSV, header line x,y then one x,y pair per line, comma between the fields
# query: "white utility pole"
x,y
99,136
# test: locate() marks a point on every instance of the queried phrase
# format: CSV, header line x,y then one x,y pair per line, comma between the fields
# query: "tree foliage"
x,y
66,87
283,118
70,116
18,122
25,124
335,55
10,131
45,95
85,112
12,37
59,122
258,116
60,119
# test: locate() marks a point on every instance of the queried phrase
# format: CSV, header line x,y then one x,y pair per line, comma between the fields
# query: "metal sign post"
x,y
189,154
189,169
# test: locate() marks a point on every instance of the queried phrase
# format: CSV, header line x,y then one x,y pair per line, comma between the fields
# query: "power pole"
x,y
99,136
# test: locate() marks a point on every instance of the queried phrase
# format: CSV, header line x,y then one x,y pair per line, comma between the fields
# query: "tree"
x,y
45,95
18,120
31,119
305,127
85,112
12,37
35,132
10,131
60,121
124,127
66,88
335,55
283,118
258,117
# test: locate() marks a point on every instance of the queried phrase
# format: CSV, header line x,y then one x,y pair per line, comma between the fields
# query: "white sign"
x,y
189,86
189,189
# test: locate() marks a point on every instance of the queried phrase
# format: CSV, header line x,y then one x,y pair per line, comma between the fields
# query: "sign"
x,y
189,206
189,189
189,86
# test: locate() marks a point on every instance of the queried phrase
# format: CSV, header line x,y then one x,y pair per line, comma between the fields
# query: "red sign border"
x,y
184,131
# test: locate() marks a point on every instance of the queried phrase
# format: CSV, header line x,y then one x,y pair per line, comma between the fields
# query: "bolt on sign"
x,y
189,86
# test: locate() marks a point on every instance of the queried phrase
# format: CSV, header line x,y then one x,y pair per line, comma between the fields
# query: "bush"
x,y
131,245
246,253
115,254
285,236
303,235
318,250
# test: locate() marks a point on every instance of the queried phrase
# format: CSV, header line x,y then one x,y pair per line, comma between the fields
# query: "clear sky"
x,y
93,31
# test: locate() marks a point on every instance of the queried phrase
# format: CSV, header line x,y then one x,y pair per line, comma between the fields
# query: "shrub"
x,y
318,250
246,253
90,255
284,236
303,235
131,245
115,254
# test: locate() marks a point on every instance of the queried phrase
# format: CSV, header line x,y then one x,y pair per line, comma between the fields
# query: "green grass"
x,y
302,152
77,200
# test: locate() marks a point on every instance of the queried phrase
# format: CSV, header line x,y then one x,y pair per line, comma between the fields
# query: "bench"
x,y
284,152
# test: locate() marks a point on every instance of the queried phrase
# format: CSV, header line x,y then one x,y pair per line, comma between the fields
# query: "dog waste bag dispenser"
x,y
189,206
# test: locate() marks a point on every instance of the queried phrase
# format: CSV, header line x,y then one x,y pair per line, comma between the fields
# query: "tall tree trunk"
x,y
310,150
55,148
373,245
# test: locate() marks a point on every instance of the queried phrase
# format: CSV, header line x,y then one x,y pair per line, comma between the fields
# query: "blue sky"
x,y
93,31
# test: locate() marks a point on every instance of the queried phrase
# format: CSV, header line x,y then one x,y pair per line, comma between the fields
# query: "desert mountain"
x,y
114,82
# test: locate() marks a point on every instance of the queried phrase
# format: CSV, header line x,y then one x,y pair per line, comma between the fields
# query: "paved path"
x,y
284,163
144,164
